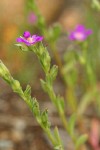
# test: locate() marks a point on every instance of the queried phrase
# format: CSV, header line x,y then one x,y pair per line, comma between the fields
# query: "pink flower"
x,y
32,18
80,33
28,39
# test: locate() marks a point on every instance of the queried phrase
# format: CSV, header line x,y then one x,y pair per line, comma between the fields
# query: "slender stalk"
x,y
52,139
69,91
61,113
57,58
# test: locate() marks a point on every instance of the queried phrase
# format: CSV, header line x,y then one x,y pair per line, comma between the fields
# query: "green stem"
x,y
56,57
87,64
50,136
53,140
47,130
61,113
72,100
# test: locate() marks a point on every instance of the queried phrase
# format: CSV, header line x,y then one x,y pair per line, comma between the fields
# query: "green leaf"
x,y
44,85
60,103
27,92
54,32
3,70
85,101
81,140
35,107
58,147
15,84
44,118
22,47
57,136
45,61
71,123
53,72
96,4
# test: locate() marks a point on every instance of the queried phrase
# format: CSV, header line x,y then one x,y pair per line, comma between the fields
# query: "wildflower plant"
x,y
47,84
69,71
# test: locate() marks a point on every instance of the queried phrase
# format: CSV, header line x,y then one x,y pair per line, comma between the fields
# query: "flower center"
x,y
30,40
79,35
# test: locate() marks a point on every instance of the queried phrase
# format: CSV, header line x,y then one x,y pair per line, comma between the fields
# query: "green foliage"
x,y
81,140
60,103
71,123
57,136
27,92
22,47
53,73
96,4
86,100
44,116
54,33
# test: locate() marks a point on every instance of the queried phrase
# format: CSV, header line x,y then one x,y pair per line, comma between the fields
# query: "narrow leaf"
x,y
81,140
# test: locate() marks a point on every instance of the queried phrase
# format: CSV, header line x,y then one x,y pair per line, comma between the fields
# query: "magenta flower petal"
x,y
80,28
89,32
22,40
71,36
19,39
26,34
37,38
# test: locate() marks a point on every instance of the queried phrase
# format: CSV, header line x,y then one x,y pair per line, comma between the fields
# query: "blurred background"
x,y
18,129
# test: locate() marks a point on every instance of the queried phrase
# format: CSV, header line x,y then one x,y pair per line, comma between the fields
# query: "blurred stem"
x,y
51,137
65,123
57,57
69,90
61,114
87,65
98,103
70,96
